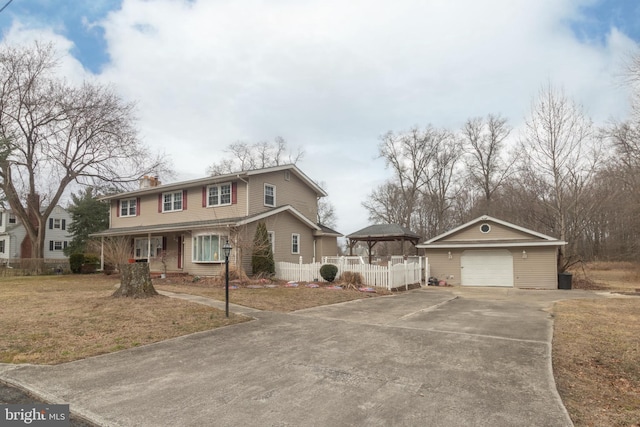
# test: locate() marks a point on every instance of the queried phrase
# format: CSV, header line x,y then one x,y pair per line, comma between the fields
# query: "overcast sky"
x,y
332,76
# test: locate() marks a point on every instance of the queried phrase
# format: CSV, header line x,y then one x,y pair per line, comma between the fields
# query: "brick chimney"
x,y
149,181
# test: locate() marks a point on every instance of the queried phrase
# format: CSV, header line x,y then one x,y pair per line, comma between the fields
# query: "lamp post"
x,y
227,250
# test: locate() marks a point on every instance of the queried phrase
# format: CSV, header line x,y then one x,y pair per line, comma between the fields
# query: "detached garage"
x,y
491,252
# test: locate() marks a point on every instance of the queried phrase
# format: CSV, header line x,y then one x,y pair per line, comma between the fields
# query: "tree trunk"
x,y
135,281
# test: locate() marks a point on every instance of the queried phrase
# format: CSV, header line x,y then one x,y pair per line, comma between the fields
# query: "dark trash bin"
x,y
564,280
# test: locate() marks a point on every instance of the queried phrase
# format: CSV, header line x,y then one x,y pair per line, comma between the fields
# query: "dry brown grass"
x,y
278,298
610,276
596,351
55,319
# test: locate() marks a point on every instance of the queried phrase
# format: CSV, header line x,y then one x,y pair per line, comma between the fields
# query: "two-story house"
x,y
187,223
15,244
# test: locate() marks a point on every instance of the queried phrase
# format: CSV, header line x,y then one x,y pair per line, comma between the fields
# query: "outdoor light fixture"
x,y
524,254
449,254
227,250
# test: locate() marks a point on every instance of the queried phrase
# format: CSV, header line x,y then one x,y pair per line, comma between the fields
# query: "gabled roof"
x,y
542,239
219,179
204,224
329,231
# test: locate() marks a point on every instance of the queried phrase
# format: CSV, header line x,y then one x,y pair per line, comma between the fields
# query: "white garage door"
x,y
487,268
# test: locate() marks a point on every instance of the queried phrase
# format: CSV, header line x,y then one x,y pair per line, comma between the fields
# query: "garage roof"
x,y
537,239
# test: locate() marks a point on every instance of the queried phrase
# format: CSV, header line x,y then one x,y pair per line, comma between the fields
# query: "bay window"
x,y
208,248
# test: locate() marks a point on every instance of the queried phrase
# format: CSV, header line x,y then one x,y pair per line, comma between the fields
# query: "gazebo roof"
x,y
384,233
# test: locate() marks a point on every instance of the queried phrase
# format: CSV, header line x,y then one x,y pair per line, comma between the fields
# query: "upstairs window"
x,y
128,207
12,218
172,202
219,195
269,195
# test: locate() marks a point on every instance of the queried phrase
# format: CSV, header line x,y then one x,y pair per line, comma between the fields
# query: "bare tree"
x,y
386,204
409,155
561,158
115,249
260,155
421,192
442,186
484,143
52,134
326,211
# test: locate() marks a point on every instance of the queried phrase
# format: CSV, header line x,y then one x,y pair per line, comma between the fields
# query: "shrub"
x,y
262,258
91,259
328,272
75,262
351,278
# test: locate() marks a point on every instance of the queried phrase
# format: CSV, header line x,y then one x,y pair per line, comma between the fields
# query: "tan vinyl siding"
x,y
283,226
149,214
537,270
497,232
293,192
442,267
326,246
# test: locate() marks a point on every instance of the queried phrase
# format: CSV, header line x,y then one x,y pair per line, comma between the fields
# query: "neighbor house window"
x,y
141,247
172,202
128,207
269,195
2,243
208,248
12,218
295,243
57,223
57,245
219,195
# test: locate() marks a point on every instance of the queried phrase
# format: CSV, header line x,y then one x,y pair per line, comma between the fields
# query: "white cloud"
x,y
332,76
68,66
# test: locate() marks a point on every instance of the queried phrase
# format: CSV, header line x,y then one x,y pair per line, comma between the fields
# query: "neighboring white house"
x,y
13,234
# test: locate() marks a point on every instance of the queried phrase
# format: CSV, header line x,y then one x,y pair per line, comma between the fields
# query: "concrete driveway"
x,y
437,357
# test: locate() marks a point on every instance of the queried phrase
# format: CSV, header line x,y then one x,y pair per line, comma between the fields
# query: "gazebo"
x,y
382,233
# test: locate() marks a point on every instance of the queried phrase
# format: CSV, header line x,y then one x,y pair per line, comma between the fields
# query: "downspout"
x,y
237,253
149,248
247,204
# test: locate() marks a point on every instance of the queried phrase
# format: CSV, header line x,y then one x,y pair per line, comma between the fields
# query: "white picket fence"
x,y
391,277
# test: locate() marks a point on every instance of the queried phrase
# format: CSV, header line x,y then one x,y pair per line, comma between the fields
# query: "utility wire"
x,y
5,6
